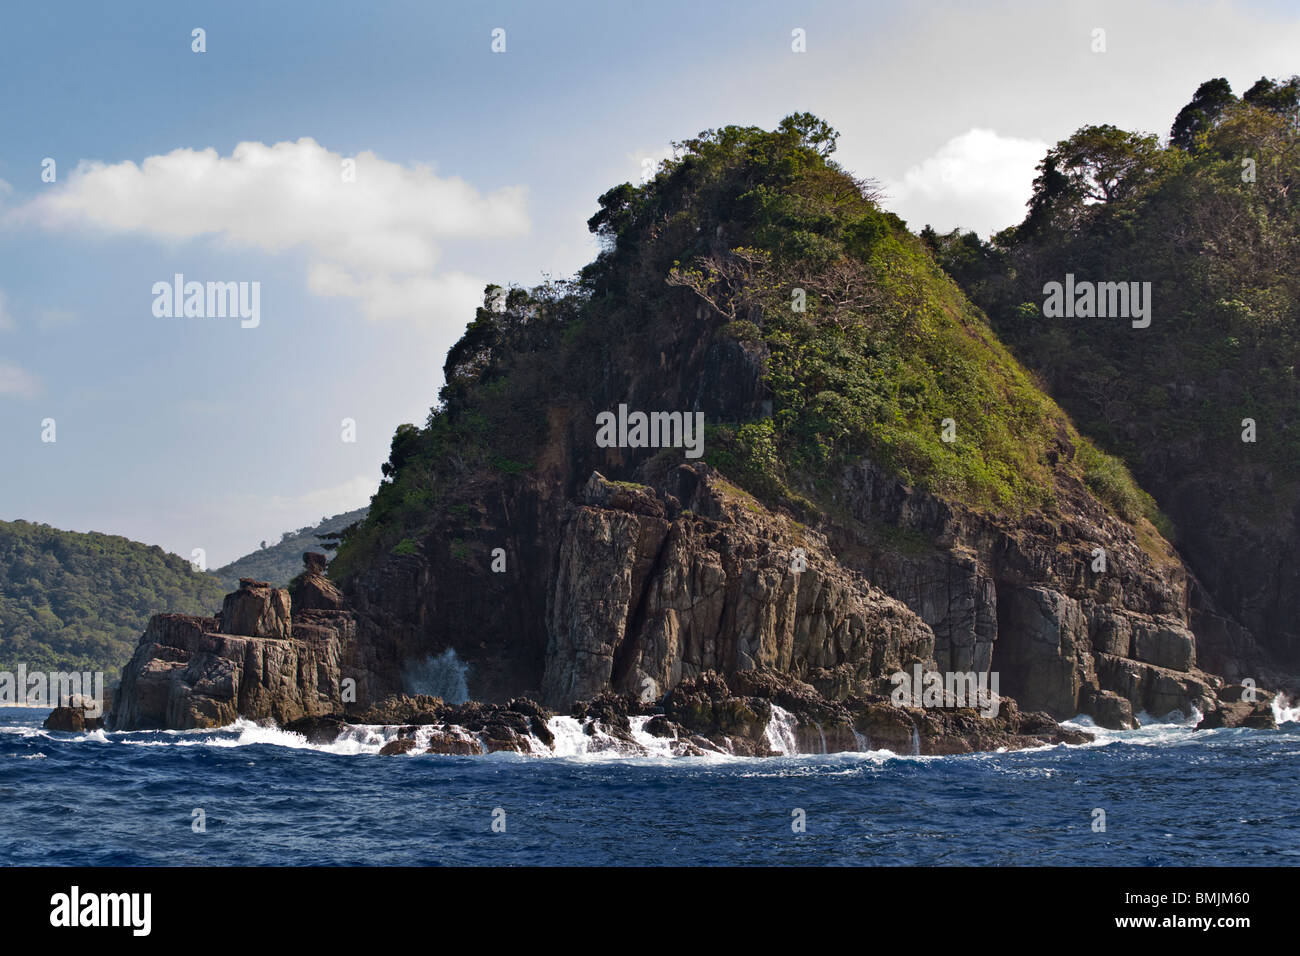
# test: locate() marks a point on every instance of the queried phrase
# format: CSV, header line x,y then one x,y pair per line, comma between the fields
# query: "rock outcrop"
x,y
73,719
759,713
256,660
640,590
313,590
1240,706
726,587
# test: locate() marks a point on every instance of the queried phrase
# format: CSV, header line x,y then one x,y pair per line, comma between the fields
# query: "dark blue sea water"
x,y
1171,796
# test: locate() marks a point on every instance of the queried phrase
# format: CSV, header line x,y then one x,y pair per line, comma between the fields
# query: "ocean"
x,y
254,795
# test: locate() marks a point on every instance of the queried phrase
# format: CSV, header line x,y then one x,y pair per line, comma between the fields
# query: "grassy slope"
x,y
1220,252
885,349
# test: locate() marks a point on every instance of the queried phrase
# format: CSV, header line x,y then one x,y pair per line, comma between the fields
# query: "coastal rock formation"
x,y
872,486
72,719
760,713
649,585
1239,706
313,590
650,588
191,672
257,610
729,587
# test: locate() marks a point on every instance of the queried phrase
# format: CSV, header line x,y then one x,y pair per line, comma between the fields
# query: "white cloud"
x,y
376,240
978,180
18,381
453,294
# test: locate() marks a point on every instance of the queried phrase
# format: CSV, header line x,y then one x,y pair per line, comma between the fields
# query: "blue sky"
x,y
473,166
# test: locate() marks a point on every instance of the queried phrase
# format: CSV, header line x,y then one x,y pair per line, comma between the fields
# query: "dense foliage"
x,y
1212,221
73,601
866,346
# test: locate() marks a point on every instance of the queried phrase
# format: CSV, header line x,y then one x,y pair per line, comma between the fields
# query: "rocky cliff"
x,y
882,490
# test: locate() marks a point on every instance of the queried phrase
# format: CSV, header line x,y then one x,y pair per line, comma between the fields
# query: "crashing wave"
x,y
1283,713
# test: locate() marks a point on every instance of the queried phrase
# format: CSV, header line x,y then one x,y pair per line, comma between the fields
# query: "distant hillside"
x,y
279,563
73,601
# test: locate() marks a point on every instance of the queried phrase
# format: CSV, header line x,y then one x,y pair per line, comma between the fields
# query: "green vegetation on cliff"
x,y
74,601
1212,222
1202,403
865,348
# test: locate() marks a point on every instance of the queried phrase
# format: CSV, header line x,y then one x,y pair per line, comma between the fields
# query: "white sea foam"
x,y
586,739
1284,713
780,732
1151,731
589,740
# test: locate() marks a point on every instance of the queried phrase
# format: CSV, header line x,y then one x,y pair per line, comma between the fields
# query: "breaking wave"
x,y
588,739
1283,713
445,676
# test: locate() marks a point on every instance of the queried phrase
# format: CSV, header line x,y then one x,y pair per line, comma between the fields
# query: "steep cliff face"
x,y
1073,609
646,585
729,587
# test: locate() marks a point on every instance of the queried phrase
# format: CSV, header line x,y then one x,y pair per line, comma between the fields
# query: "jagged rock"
x,y
1046,649
677,598
256,610
705,707
1238,707
885,727
395,709
401,745
600,492
445,742
502,726
312,590
323,729
81,713
186,673
660,726
707,710
72,720
1111,711
609,714
1166,644
1153,689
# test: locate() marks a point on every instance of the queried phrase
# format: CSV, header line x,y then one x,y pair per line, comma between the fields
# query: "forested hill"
x,y
78,601
1202,403
279,563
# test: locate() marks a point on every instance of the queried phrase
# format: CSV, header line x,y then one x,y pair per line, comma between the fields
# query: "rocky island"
x,y
880,486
